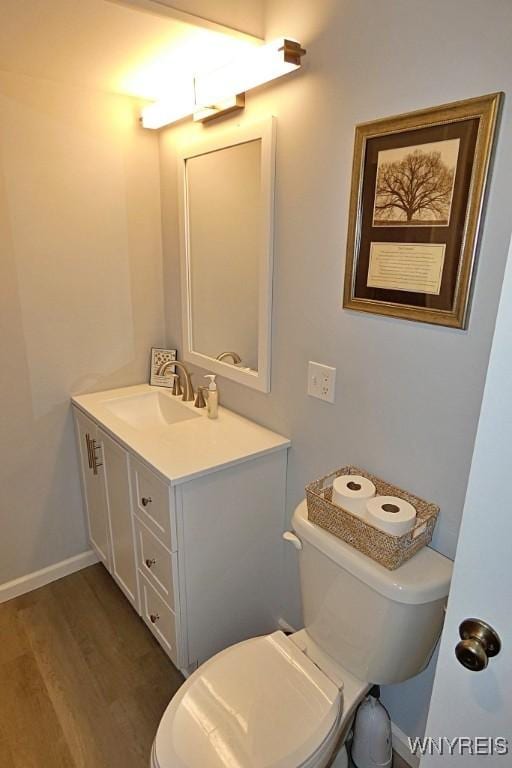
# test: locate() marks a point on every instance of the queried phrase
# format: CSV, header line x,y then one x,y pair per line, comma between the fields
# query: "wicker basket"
x,y
390,551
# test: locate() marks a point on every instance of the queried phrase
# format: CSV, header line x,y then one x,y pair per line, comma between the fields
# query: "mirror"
x,y
226,195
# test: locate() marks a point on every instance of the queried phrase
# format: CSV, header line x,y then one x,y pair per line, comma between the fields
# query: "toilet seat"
x,y
259,704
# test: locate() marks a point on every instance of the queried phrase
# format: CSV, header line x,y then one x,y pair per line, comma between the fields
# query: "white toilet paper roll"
x,y
391,514
352,492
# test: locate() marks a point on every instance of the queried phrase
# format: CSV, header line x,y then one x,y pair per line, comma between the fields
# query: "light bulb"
x,y
252,68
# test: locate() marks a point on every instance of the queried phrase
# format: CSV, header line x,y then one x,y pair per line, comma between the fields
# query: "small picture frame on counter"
x,y
159,357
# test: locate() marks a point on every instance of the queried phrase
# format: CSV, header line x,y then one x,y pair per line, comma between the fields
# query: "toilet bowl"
x,y
280,701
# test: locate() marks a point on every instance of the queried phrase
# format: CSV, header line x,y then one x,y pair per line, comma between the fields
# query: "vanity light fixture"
x,y
179,104
163,113
257,66
222,107
223,90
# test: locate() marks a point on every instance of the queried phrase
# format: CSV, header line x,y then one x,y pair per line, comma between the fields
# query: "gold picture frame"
x,y
418,189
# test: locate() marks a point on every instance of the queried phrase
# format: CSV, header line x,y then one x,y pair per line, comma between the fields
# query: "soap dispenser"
x,y
212,403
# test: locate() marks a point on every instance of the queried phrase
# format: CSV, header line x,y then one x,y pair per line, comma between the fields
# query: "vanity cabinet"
x,y
199,559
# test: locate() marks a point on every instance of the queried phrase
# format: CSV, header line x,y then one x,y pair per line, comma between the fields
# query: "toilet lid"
x,y
258,704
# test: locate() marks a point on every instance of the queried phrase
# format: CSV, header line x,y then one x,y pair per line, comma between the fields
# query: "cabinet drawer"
x,y
159,618
155,562
152,499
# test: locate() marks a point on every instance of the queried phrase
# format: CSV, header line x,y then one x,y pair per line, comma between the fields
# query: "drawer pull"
x,y
150,563
146,500
94,458
154,617
88,442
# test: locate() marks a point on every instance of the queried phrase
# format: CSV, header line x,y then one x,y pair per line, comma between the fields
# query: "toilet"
x,y
281,701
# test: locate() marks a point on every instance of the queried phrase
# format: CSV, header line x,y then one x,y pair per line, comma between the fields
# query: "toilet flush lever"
x,y
289,536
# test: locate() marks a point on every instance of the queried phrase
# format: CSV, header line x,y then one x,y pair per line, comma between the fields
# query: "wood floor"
x,y
83,683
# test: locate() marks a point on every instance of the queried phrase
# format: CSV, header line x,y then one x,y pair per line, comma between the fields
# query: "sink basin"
x,y
149,410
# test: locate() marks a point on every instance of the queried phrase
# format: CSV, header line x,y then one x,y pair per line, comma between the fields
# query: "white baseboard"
x,y
401,747
31,581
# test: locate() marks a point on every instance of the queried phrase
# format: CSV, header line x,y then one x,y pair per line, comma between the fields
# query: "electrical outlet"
x,y
321,381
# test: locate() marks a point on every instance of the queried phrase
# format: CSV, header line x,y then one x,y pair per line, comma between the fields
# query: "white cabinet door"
x,y
117,483
93,485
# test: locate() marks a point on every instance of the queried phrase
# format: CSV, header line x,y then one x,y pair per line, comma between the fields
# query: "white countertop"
x,y
185,449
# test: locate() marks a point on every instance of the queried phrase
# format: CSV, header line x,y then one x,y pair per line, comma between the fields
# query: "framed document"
x,y
418,188
158,377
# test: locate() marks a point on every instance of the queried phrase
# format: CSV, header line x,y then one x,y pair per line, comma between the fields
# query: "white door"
x,y
471,704
93,485
117,485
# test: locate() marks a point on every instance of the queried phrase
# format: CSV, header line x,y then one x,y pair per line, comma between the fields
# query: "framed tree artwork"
x,y
418,189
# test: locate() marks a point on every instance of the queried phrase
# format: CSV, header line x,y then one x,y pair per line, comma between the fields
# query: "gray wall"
x,y
80,295
408,395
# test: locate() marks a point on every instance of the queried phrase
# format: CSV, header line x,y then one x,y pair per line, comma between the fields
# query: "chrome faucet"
x,y
233,355
188,389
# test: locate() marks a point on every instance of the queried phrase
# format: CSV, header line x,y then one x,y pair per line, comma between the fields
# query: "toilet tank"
x,y
380,625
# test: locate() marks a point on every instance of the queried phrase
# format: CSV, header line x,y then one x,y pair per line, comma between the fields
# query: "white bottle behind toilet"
x,y
371,747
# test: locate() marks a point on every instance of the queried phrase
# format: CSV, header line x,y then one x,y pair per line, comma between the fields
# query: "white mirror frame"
x,y
266,132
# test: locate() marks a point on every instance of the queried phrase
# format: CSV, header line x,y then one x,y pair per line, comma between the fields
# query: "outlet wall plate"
x,y
321,381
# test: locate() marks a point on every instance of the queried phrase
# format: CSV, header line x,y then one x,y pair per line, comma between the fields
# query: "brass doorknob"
x,y
479,642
